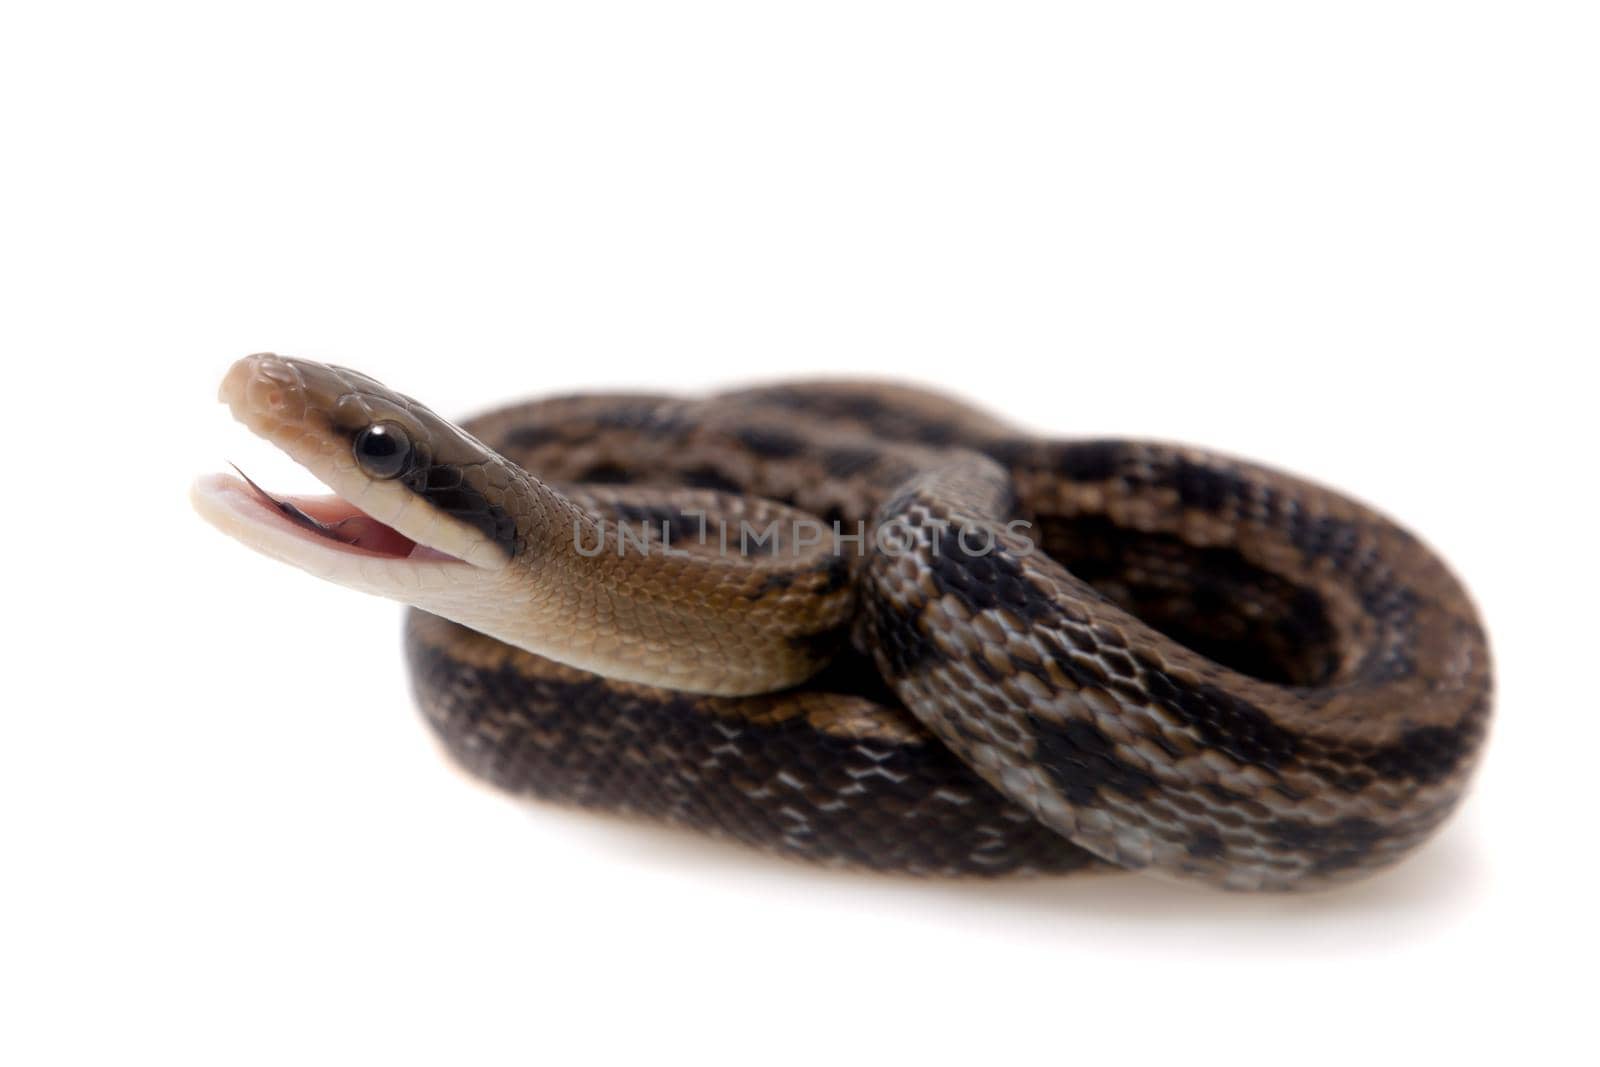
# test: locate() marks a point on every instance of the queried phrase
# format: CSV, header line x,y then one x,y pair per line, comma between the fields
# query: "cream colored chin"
x,y
228,504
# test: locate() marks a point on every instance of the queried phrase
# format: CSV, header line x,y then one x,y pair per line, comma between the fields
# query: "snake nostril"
x,y
266,394
271,384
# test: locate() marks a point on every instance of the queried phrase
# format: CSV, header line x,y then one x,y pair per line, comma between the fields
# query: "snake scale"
x,y
931,644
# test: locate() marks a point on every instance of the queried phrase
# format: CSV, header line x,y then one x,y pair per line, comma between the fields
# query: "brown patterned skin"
x,y
829,776
1213,670
1156,658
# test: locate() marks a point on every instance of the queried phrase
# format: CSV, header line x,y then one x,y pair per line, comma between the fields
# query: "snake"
x,y
867,625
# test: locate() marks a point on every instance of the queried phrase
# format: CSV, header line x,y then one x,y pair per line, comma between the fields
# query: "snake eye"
x,y
383,450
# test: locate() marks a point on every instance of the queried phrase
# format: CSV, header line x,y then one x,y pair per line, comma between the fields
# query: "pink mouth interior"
x,y
339,521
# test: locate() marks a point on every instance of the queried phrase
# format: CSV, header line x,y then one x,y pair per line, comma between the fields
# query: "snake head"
x,y
422,509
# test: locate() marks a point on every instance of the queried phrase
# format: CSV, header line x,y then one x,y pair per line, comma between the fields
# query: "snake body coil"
x,y
1001,654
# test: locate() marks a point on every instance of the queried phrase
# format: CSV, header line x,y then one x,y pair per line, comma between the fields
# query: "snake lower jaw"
x,y
325,536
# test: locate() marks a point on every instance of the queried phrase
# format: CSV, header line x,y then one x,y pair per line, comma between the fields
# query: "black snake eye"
x,y
383,450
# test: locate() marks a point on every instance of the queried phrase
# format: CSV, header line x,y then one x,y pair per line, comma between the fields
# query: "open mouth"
x,y
243,509
380,530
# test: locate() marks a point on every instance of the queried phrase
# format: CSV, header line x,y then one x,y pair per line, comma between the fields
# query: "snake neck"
x,y
645,585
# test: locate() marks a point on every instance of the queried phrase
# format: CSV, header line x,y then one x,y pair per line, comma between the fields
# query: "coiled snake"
x,y
868,625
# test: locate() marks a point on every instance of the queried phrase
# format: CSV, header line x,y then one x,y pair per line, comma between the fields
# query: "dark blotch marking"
x,y
857,406
1427,754
821,645
1207,488
1083,761
1073,668
1205,845
1232,724
901,644
769,442
442,476
1089,461
853,672
837,574
1324,537
443,487
1333,846
605,474
984,582
848,462
934,433
710,478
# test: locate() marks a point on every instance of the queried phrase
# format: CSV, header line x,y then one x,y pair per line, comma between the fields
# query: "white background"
x,y
1356,240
